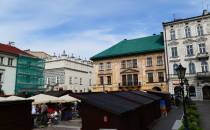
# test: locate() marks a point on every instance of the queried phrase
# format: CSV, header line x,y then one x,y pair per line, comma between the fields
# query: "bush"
x,y
193,118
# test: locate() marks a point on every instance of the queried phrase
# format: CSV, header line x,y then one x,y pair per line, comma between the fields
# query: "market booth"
x,y
164,95
15,114
116,110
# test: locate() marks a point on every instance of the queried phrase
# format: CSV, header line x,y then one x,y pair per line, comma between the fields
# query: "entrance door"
x,y
206,92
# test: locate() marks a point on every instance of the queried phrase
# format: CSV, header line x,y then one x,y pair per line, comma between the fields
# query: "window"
x,y
161,76
174,68
130,80
135,79
159,60
192,92
124,80
80,81
70,80
90,82
48,80
134,63
189,50
1,76
10,60
1,60
192,68
204,66
150,77
109,80
200,30
109,66
173,35
101,80
57,79
129,64
123,64
101,66
187,32
174,52
202,48
149,61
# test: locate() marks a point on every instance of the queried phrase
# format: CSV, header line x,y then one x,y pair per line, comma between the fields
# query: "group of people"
x,y
50,114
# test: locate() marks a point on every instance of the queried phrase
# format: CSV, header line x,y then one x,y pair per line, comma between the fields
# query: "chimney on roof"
x,y
205,12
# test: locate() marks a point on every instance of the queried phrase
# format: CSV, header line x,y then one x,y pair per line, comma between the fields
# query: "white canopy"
x,y
42,98
67,98
15,98
2,98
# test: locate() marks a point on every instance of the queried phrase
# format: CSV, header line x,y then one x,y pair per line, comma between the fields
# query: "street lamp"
x,y
181,75
187,86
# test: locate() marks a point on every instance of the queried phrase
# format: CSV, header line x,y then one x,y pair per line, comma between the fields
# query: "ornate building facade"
x,y
131,64
68,73
187,42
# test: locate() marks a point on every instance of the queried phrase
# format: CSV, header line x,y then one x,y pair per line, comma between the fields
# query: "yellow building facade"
x,y
142,71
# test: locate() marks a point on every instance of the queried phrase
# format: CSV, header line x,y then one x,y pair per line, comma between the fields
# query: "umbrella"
x,y
67,98
42,98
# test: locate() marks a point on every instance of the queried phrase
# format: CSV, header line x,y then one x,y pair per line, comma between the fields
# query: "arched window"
x,y
192,68
187,32
192,92
173,35
204,66
200,30
174,68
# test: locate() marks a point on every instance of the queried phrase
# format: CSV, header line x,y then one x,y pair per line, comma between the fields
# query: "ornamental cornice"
x,y
201,39
173,43
187,41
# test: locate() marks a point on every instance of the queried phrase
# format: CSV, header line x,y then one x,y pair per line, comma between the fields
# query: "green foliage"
x,y
193,118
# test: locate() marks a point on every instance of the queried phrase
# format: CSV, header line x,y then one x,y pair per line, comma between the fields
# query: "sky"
x,y
86,27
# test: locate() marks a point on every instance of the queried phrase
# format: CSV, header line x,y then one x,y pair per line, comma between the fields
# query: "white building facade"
x,y
8,64
187,42
69,73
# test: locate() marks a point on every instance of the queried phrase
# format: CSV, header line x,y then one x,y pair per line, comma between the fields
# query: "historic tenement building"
x,y
187,42
20,72
131,64
68,73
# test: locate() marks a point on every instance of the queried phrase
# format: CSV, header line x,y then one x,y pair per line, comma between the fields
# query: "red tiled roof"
x,y
12,50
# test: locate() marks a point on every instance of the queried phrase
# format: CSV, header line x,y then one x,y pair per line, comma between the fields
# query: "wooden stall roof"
x,y
134,97
117,102
151,96
109,102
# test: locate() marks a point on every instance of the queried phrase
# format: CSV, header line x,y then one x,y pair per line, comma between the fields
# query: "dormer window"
x,y
187,32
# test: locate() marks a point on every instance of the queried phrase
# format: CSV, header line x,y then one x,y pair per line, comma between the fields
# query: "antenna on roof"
x,y
174,16
11,43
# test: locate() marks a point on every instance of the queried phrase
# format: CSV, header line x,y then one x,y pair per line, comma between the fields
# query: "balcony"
x,y
203,75
129,85
201,56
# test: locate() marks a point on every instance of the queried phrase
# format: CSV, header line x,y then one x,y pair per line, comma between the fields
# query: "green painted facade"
x,y
133,47
29,75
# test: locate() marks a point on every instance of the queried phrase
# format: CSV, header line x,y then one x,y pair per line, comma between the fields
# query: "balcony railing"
x,y
202,56
204,75
130,85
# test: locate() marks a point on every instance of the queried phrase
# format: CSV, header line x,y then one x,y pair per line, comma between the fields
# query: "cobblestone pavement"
x,y
64,125
204,110
166,123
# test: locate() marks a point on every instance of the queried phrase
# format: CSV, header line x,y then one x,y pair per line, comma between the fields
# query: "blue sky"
x,y
86,27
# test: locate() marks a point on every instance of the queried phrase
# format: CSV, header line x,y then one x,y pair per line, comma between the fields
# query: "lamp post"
x,y
187,86
181,75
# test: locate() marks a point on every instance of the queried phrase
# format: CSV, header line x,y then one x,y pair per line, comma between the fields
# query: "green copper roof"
x,y
132,47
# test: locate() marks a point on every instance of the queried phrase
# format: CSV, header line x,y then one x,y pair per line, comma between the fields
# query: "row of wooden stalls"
x,y
127,110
